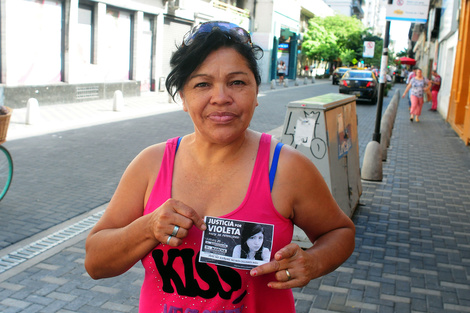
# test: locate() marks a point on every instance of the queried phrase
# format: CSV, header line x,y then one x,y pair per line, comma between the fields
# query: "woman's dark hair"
x,y
187,58
250,229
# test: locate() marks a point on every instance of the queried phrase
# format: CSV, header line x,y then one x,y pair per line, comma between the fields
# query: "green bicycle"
x,y
6,162
6,171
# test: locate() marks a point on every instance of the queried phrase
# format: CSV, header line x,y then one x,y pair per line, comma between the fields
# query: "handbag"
x,y
428,93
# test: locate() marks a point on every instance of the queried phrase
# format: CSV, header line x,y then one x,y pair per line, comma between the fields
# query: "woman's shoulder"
x,y
149,157
290,152
155,150
295,166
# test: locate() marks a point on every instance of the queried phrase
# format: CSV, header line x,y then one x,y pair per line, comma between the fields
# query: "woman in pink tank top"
x,y
181,206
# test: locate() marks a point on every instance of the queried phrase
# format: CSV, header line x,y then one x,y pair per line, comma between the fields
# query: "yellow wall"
x,y
459,104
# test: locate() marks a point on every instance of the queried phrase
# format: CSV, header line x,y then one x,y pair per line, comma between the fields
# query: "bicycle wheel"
x,y
6,171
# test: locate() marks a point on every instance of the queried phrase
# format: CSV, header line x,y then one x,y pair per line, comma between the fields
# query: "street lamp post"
x,y
382,81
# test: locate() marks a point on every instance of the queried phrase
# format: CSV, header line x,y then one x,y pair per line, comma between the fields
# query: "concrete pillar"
x,y
137,73
118,101
158,48
100,33
70,41
33,116
372,164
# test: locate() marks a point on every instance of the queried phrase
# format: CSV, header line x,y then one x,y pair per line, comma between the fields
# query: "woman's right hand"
x,y
170,214
123,235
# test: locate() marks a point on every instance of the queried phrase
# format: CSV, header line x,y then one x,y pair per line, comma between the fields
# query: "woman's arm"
x,y
301,187
406,90
123,235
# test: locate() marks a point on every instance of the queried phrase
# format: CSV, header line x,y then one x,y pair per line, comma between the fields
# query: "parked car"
x,y
337,74
361,83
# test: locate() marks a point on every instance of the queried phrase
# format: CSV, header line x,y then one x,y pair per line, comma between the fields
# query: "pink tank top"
x,y
176,282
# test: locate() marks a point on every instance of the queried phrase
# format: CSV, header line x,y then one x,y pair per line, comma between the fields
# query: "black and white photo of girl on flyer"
x,y
237,244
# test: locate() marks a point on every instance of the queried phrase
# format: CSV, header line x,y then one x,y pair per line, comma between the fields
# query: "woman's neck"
x,y
210,153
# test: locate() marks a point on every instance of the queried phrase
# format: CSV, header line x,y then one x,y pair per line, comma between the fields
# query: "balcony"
x,y
356,9
230,8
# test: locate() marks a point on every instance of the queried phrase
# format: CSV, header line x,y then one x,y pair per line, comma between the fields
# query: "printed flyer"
x,y
237,244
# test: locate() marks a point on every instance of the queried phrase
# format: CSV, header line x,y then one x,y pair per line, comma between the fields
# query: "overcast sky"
x,y
399,33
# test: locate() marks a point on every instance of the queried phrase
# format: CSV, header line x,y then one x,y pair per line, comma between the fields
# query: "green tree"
x,y
331,37
403,53
347,56
319,43
348,30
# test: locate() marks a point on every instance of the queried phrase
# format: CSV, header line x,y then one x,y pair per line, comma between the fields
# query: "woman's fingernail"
x,y
253,273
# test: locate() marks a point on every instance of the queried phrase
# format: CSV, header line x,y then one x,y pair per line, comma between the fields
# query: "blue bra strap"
x,y
178,144
272,171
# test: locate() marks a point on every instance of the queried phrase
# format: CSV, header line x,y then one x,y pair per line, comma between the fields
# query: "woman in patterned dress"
x,y
418,86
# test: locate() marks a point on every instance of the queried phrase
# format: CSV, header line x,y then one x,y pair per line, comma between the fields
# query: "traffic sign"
x,y
369,47
415,11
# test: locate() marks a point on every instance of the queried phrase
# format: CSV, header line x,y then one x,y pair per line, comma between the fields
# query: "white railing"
x,y
232,9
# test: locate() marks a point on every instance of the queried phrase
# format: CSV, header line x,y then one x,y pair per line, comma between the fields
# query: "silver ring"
x,y
168,240
288,274
175,230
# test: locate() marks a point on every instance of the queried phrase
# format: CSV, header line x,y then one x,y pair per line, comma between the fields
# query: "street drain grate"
x,y
28,252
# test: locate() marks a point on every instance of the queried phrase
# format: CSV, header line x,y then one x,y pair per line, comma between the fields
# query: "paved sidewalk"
x,y
60,117
412,243
54,118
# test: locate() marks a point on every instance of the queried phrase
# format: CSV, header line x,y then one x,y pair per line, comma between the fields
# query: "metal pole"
x,y
382,81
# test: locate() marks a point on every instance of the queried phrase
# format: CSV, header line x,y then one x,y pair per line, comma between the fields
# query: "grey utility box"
x,y
324,128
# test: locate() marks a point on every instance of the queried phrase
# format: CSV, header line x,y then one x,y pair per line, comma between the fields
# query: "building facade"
x,y
374,16
443,44
347,7
71,50
62,51
458,109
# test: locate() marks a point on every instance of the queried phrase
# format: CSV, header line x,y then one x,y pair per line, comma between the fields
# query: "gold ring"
x,y
168,240
288,274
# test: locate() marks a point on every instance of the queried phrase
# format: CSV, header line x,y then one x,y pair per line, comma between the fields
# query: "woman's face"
x,y
255,242
419,73
221,96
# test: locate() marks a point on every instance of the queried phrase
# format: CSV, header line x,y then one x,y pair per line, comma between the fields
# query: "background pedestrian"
x,y
436,85
411,74
418,86
281,72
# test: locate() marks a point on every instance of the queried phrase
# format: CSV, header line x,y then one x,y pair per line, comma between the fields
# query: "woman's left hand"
x,y
293,267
